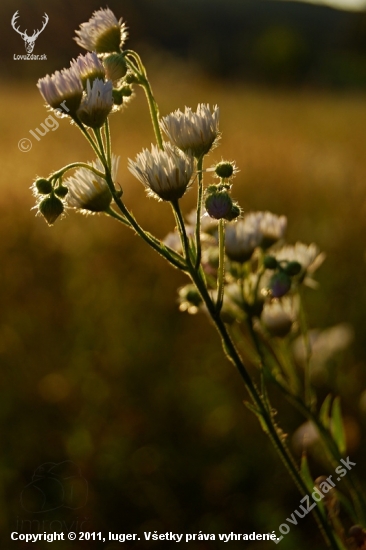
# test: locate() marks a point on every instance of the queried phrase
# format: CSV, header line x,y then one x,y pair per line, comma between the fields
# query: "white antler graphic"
x,y
28,40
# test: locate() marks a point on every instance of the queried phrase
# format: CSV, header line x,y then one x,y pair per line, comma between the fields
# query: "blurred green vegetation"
x,y
98,366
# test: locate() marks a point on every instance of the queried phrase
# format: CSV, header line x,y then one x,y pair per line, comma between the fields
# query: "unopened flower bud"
x,y
51,208
280,284
293,268
43,186
115,66
117,96
224,169
218,204
61,191
131,78
234,213
270,262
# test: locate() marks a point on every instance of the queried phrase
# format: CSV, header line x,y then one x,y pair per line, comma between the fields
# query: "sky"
x,y
343,4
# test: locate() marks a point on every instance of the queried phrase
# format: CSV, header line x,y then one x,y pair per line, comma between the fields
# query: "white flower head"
x,y
165,173
278,316
272,227
242,238
89,192
196,133
62,90
103,33
89,67
97,103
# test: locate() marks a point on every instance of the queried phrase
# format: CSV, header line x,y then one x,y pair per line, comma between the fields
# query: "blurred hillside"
x,y
288,43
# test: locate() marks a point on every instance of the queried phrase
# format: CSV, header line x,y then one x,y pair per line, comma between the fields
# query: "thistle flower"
x,y
63,87
103,33
241,239
89,67
97,104
89,192
192,132
165,174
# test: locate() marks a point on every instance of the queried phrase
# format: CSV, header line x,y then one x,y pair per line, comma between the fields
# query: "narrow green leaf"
x,y
325,410
305,473
337,428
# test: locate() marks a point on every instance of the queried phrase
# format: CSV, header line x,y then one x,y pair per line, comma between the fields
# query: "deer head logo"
x,y
28,40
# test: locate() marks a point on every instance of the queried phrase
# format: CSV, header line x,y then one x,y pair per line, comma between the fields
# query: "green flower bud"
x,y
43,186
131,78
115,66
270,262
234,213
293,268
117,96
280,284
51,208
218,204
61,191
224,169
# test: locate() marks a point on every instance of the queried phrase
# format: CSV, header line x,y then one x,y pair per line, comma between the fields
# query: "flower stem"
x,y
143,81
199,210
265,416
221,273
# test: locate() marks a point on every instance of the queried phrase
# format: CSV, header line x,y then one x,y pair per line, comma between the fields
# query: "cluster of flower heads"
x,y
94,86
166,172
262,273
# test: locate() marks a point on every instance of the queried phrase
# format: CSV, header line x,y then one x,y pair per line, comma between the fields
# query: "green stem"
x,y
170,255
182,230
265,415
199,210
90,140
221,273
107,135
113,214
59,173
143,81
330,447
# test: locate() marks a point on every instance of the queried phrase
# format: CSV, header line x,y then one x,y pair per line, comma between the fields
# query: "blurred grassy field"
x,y
98,365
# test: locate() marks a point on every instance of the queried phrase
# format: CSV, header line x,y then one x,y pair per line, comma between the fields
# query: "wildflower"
x,y
272,227
192,132
103,33
97,104
165,174
278,316
89,192
241,239
63,87
89,67
308,256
